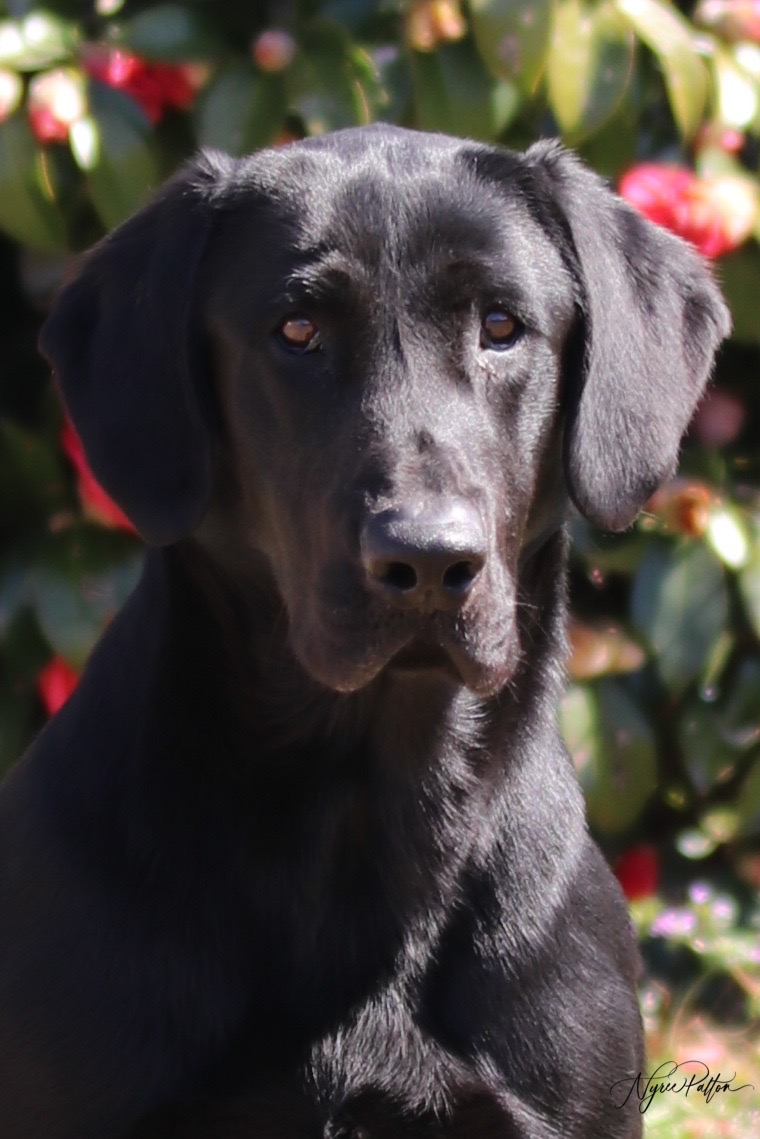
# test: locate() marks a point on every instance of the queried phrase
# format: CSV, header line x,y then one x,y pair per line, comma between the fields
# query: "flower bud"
x,y
274,50
683,506
433,22
56,101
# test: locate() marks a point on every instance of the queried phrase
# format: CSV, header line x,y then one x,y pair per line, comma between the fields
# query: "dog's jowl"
x,y
304,855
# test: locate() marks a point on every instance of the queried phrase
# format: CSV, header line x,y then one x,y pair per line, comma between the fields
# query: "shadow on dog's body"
x,y
304,854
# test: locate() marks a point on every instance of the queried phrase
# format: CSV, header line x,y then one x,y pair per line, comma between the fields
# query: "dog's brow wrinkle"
x,y
330,275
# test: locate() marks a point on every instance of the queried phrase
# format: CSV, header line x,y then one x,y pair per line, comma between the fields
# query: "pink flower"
x,y
95,502
155,86
638,871
55,683
714,214
674,922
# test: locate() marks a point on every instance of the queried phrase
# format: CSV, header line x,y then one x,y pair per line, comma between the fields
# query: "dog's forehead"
x,y
394,208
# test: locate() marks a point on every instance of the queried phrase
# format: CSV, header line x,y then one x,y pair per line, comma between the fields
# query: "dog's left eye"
x,y
499,329
300,333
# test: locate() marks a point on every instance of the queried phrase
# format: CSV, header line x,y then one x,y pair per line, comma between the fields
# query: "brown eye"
x,y
499,329
300,333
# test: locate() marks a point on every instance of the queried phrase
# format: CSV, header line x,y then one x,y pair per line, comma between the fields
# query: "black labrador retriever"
x,y
304,855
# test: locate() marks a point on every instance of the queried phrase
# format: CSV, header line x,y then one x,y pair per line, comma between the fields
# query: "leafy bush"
x,y
663,712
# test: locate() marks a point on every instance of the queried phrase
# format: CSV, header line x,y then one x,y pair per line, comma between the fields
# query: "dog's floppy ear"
x,y
124,342
652,320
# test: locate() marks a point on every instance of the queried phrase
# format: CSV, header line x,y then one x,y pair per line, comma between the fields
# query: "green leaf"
x,y
589,66
352,14
37,41
126,165
607,553
14,594
513,37
708,758
741,715
748,803
16,719
170,32
749,586
615,146
33,469
394,83
241,110
322,84
613,748
372,84
85,575
670,37
679,603
740,282
28,212
453,94
25,650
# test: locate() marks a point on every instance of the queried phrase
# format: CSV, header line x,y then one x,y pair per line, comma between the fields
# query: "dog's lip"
x,y
423,655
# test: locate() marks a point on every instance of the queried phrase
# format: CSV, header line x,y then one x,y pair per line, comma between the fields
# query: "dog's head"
x,y
375,363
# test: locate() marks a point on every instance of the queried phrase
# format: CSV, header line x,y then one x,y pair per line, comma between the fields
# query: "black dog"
x,y
304,855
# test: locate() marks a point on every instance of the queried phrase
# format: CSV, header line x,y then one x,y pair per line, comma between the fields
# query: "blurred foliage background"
x,y
100,101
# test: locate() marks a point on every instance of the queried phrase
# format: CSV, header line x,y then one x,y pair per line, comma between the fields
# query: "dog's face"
x,y
357,359
388,361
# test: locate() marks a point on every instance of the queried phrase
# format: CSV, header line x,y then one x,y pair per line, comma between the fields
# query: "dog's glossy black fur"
x,y
304,854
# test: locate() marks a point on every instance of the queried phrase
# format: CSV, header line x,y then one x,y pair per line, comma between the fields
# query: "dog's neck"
x,y
406,776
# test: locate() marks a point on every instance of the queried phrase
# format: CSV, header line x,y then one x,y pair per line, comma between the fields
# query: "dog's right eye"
x,y
499,329
299,333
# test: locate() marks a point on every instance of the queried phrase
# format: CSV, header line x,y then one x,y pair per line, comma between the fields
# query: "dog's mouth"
x,y
447,658
422,655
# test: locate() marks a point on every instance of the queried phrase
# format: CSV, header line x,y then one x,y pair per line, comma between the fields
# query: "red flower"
x,y
55,683
714,214
95,502
155,86
638,871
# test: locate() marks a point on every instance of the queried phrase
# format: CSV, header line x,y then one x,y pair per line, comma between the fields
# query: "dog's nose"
x,y
426,557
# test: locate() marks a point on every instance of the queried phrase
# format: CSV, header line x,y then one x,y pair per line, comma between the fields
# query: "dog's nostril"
x,y
399,575
425,558
460,575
